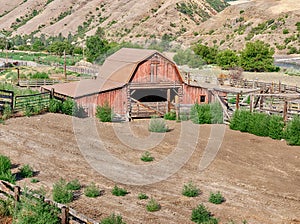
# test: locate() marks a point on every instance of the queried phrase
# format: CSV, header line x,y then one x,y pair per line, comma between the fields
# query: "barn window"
x,y
202,99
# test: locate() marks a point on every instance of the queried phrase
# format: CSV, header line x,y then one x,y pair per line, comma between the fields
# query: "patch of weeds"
x,y
142,196
113,219
200,214
157,125
118,191
34,180
146,157
92,191
190,190
216,198
74,185
61,193
153,205
26,171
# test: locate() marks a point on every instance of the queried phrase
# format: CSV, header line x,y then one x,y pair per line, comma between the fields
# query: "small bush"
x,y
202,215
5,164
276,126
170,116
216,198
61,193
8,176
190,190
6,112
142,196
68,107
146,157
157,125
74,185
55,106
292,133
32,210
153,205
92,191
113,219
26,171
117,191
6,207
34,180
104,113
79,111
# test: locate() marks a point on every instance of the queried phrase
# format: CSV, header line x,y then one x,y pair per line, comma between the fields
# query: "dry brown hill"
x,y
122,20
273,21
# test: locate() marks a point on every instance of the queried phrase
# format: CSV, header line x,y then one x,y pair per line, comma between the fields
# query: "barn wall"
x,y
191,94
117,99
166,71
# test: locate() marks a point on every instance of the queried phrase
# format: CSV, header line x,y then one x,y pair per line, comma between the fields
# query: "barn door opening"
x,y
149,102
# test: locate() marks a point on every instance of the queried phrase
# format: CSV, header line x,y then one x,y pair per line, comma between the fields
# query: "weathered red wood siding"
x,y
192,94
166,71
117,99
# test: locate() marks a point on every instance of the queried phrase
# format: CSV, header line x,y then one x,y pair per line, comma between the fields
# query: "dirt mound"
x,y
259,177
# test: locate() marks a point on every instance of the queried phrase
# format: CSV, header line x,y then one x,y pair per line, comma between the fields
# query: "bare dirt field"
x,y
259,177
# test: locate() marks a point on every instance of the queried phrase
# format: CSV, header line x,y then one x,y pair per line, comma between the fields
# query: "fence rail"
x,y
29,102
68,215
6,97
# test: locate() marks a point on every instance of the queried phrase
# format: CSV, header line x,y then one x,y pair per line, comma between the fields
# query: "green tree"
x,y
58,47
188,57
208,54
258,57
95,47
227,59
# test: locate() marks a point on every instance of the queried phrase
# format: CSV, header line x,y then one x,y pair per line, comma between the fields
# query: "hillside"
x,y
121,20
273,21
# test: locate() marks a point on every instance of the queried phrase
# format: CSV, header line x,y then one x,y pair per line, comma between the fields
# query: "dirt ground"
x,y
259,177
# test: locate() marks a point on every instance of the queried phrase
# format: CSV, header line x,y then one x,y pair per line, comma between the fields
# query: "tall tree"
x,y
258,57
227,59
95,47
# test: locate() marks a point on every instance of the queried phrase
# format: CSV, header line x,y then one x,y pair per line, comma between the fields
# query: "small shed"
x,y
135,83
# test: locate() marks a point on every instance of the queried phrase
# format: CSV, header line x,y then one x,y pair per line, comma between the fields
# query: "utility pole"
x,y
65,65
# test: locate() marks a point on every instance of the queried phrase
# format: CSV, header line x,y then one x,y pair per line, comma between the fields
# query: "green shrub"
x,y
216,198
201,114
55,106
5,164
157,125
104,113
26,171
142,196
61,193
216,111
92,191
79,111
68,107
73,185
259,124
153,205
202,215
190,190
292,133
170,116
6,112
146,157
113,219
32,210
276,126
117,191
34,180
240,120
8,176
6,207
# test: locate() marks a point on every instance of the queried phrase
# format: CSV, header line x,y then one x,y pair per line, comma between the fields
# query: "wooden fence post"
x,y
64,215
17,191
285,110
237,102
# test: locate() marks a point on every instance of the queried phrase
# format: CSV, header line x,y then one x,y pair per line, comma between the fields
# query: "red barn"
x,y
135,83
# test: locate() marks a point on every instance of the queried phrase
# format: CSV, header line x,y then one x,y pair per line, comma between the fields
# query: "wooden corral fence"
x,y
68,215
6,97
40,100
37,82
